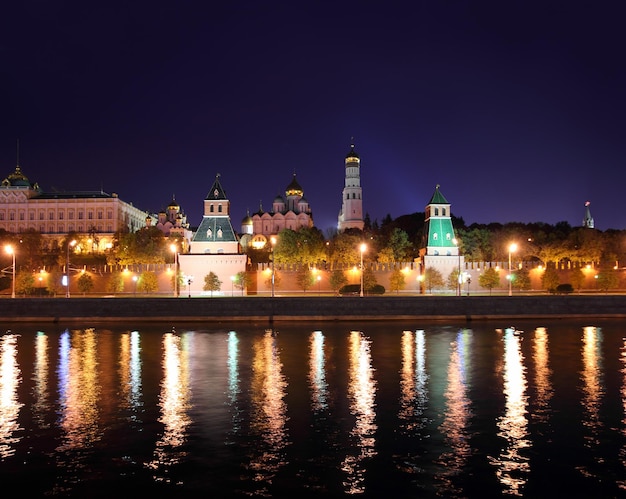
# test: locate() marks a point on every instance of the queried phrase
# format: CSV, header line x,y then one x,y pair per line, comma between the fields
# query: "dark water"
x,y
314,410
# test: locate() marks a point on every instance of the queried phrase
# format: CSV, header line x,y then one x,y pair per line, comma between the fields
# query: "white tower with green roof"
x,y
441,249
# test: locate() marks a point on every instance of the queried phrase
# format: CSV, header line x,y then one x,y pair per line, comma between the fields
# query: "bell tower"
x,y
351,213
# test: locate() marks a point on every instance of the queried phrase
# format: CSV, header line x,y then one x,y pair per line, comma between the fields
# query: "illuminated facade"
x,y
172,222
289,212
25,206
351,214
214,246
440,247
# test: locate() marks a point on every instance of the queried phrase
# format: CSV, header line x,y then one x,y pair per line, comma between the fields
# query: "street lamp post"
x,y
512,249
362,248
70,244
319,285
232,282
174,249
9,249
135,278
457,243
273,241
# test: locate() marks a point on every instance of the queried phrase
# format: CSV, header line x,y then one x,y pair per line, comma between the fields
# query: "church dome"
x,y
247,220
173,205
294,189
16,179
352,153
279,199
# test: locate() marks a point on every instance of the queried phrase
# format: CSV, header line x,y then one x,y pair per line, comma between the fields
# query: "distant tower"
x,y
351,214
440,248
588,220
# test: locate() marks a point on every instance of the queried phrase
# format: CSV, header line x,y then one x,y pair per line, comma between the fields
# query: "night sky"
x,y
516,108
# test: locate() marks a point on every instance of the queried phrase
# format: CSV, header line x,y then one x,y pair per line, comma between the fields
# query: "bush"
x,y
564,289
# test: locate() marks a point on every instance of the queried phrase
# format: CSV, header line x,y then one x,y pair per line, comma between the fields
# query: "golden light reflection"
x,y
174,402
457,415
130,373
79,388
592,384
10,378
317,372
512,467
622,482
41,396
543,373
269,411
361,395
413,378
233,380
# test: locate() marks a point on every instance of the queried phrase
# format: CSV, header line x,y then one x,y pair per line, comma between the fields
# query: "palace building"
x,y
25,206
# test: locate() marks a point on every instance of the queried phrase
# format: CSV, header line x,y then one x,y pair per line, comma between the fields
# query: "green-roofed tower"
x,y
440,247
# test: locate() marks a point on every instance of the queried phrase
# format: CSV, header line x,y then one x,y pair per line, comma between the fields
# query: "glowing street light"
x,y
512,249
362,248
273,241
232,282
9,249
70,244
319,285
174,250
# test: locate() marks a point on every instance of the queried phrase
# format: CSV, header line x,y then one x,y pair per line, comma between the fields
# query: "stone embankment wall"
x,y
269,310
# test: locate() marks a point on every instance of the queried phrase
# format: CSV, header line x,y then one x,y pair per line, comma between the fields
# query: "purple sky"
x,y
516,108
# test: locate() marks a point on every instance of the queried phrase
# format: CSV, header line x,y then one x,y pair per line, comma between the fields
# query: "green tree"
x,y
148,282
453,279
85,283
369,279
212,283
397,280
115,284
489,279
577,278
277,280
24,283
550,279
521,279
53,282
242,281
337,279
345,248
304,246
607,279
433,279
305,278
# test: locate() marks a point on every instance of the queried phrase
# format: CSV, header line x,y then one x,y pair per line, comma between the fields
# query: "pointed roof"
x,y
438,197
588,220
352,153
293,189
216,191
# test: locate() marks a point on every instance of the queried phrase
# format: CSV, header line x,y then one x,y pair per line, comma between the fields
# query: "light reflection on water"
x,y
512,465
436,411
10,429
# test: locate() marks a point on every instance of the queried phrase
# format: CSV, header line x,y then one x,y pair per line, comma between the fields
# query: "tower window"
x,y
435,236
443,211
448,237
436,212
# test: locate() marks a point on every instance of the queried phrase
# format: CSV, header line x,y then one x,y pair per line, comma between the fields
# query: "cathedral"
x,y
289,212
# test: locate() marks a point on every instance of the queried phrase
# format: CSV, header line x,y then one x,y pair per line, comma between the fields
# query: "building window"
x,y
42,229
435,236
1,215
31,216
110,214
436,212
211,209
70,215
21,215
443,211
219,208
80,215
100,215
448,236
12,216
61,215
90,215
41,217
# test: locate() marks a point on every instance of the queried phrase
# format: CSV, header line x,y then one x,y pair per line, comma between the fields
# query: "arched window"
x,y
436,212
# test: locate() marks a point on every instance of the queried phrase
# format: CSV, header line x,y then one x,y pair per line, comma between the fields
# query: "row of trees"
x,y
398,240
